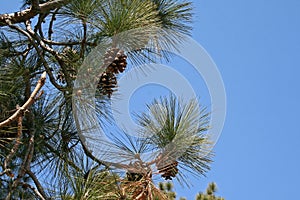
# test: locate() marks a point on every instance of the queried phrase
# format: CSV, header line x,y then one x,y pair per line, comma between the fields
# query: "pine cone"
x,y
167,169
107,83
115,60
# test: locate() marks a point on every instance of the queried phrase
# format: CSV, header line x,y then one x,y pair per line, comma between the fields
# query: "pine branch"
x,y
40,53
27,14
20,111
57,56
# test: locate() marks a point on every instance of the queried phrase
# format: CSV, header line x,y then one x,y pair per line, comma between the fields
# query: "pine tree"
x,y
42,50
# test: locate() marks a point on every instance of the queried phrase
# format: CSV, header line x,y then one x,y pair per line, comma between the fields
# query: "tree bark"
x,y
27,14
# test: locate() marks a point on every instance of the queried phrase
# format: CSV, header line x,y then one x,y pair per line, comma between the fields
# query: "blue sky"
x,y
256,46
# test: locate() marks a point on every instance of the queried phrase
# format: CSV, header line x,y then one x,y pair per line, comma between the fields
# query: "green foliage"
x,y
94,184
48,158
175,15
167,188
179,129
209,194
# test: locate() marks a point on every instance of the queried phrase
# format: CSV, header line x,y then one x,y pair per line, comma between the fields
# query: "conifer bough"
x,y
28,103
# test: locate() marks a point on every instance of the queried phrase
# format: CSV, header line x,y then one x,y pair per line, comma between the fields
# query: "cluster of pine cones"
x,y
115,63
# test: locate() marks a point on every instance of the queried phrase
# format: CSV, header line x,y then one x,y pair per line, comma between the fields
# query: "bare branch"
x,y
53,18
69,43
28,103
27,14
35,36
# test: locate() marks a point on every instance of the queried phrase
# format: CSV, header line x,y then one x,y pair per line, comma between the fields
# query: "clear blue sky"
x,y
256,46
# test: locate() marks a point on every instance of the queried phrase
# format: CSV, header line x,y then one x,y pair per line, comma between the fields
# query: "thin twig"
x,y
83,42
38,26
37,38
53,18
